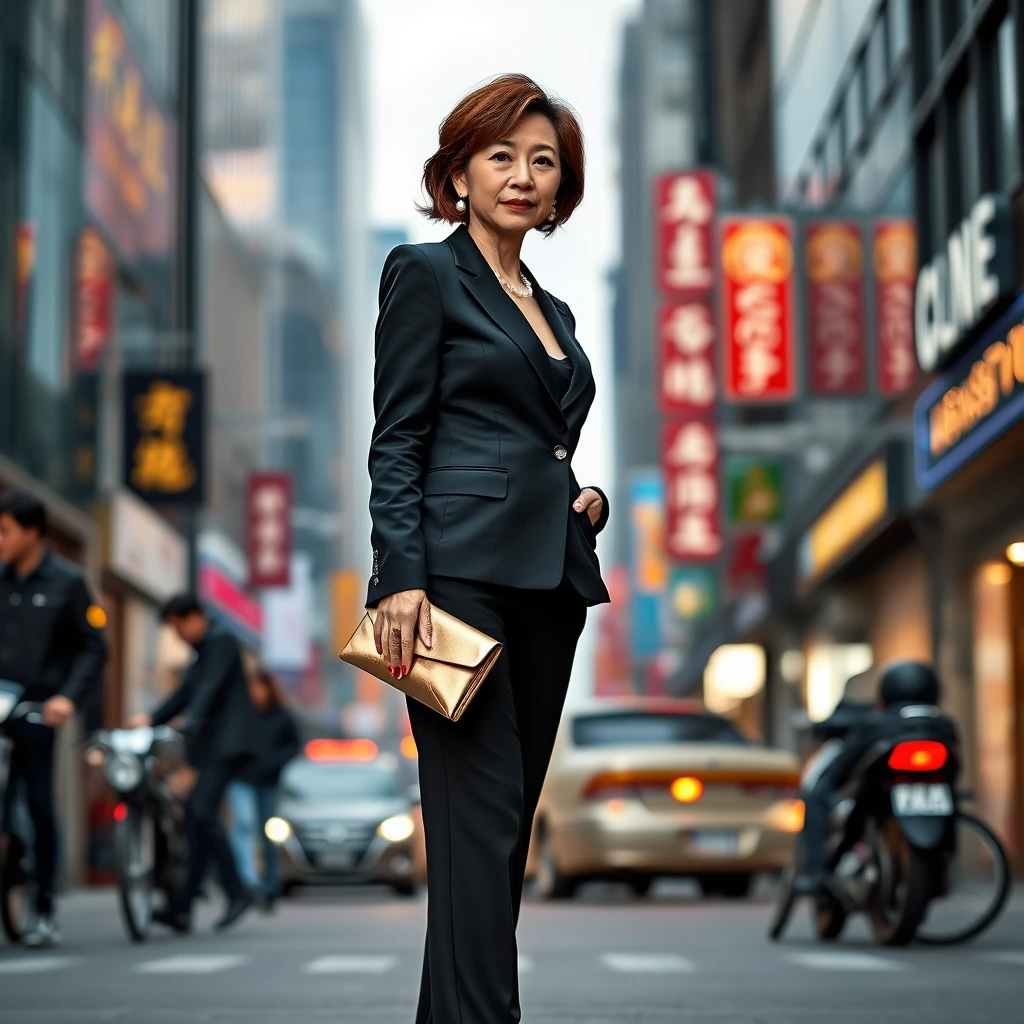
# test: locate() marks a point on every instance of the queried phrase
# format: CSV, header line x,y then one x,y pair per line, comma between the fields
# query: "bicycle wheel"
x,y
134,863
784,903
978,886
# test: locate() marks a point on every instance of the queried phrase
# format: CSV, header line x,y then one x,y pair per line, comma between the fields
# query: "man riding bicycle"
x,y
52,643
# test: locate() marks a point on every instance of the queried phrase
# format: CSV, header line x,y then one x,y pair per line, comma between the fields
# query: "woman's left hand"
x,y
590,502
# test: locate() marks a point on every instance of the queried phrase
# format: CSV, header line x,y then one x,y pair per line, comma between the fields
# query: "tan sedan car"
x,y
641,788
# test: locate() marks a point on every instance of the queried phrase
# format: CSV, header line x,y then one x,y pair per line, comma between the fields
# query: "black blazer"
x,y
221,721
471,457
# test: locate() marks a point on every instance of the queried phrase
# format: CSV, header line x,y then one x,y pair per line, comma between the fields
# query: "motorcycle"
x,y
17,870
893,837
150,839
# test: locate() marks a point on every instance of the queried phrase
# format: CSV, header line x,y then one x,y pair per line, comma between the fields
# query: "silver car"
x,y
342,821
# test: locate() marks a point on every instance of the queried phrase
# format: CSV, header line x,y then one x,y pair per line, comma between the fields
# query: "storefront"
x,y
969,450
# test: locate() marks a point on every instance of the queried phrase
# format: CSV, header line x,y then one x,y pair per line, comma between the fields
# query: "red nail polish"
x,y
405,671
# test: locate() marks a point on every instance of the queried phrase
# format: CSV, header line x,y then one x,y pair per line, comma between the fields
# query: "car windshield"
x,y
631,728
312,781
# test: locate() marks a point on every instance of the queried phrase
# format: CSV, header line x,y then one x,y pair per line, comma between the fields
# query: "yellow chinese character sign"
x,y
130,144
164,436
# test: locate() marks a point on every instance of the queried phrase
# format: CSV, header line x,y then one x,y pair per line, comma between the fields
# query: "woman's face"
x,y
510,186
259,693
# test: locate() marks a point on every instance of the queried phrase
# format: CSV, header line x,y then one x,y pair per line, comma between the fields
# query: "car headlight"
x,y
277,830
395,829
785,816
124,771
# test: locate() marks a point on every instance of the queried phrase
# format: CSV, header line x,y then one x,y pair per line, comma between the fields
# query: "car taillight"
x,y
687,790
120,812
918,756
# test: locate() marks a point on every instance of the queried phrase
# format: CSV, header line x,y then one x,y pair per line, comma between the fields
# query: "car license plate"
x,y
336,860
922,799
717,844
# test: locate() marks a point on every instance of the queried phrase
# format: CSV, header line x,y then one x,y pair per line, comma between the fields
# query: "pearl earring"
x,y
552,214
461,205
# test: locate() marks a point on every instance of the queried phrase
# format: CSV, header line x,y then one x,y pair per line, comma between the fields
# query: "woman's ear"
x,y
460,183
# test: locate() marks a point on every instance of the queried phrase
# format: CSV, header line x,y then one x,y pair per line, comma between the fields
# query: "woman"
x,y
253,796
480,392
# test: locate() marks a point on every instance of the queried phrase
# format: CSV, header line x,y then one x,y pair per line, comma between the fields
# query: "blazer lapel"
x,y
484,287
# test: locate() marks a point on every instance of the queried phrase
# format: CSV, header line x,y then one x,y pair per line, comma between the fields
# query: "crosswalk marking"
x,y
1015,957
351,965
646,963
201,963
844,962
36,964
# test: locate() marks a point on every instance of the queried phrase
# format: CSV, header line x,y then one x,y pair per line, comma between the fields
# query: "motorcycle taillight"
x,y
918,756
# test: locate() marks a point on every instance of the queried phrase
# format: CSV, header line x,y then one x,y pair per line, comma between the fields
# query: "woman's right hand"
x,y
399,617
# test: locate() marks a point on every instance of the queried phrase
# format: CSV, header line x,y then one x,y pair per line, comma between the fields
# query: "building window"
x,y
855,108
899,29
938,202
876,68
1009,129
968,162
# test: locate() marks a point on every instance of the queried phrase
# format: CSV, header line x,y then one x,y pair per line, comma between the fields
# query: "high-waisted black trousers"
x,y
480,780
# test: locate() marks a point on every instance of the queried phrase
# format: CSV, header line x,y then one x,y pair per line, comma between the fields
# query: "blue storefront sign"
x,y
975,401
648,568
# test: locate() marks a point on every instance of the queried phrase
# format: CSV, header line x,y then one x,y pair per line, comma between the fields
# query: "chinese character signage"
x,y
687,363
85,413
130,145
94,299
685,219
895,262
754,492
164,436
834,261
759,364
268,535
692,502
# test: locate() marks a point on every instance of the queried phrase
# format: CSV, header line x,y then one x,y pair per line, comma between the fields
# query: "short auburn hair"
x,y
487,115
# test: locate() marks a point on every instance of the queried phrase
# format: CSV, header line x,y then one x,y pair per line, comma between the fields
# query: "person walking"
x,y
480,392
222,734
52,643
253,797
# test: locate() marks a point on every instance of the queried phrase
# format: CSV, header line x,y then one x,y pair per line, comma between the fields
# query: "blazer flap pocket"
x,y
483,481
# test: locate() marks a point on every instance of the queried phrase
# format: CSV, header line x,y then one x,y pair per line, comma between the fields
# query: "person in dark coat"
x,y
221,728
254,796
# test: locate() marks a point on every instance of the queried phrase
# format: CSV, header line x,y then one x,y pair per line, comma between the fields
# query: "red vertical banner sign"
x,y
687,358
685,220
94,299
834,264
268,535
690,462
895,265
759,361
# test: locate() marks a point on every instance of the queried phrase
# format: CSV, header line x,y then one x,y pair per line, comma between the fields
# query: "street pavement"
x,y
353,956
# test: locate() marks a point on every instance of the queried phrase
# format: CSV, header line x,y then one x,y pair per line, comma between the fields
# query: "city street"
x,y
353,957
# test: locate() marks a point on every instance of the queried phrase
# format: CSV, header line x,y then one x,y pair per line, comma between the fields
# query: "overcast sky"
x,y
423,57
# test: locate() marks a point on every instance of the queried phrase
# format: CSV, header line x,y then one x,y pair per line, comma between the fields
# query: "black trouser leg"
x,y
32,766
207,837
817,804
473,784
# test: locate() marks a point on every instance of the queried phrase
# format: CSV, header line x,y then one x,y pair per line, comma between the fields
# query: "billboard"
x,y
268,528
686,369
690,463
758,325
836,350
685,208
895,266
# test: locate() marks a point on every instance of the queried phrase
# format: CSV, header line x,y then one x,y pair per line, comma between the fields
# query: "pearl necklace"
x,y
526,293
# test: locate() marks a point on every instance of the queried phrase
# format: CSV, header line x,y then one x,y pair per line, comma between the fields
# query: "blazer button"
x,y
560,452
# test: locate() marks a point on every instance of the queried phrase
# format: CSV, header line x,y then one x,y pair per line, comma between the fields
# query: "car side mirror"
x,y
414,793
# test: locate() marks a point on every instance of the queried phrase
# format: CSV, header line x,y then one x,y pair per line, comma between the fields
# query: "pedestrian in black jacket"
x,y
52,644
222,734
254,795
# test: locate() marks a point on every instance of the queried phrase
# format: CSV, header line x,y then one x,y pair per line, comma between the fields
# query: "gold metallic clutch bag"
x,y
445,677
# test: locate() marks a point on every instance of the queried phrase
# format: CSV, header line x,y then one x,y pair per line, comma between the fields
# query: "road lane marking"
x,y
845,962
525,963
351,965
36,964
646,963
199,963
1014,957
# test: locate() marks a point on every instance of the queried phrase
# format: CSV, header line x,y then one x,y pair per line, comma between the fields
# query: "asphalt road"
x,y
353,957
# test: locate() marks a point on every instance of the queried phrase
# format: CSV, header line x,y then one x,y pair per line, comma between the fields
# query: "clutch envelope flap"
x,y
454,642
